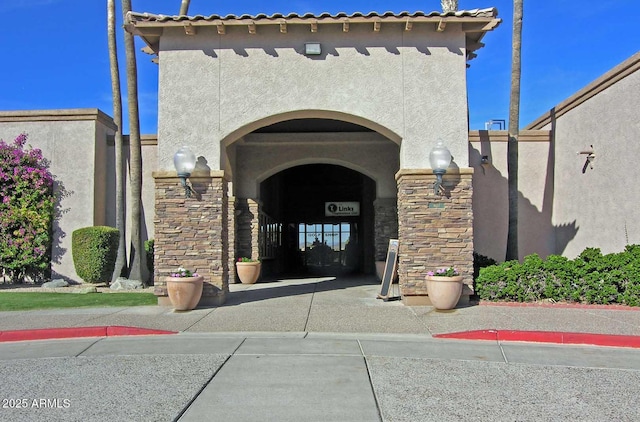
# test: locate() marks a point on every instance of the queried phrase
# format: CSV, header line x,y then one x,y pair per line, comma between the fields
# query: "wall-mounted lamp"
x,y
440,158
591,155
484,160
312,49
184,161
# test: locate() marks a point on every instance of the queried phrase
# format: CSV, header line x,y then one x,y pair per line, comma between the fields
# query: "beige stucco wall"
x,y
536,233
408,85
600,206
260,156
75,143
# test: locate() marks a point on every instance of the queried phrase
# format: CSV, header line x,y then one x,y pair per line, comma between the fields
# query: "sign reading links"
x,y
341,209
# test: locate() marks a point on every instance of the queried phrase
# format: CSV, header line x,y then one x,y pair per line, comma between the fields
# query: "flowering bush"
x,y
181,272
246,259
26,211
444,272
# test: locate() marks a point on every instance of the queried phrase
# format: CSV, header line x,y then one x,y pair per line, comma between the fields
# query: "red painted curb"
x,y
611,340
75,332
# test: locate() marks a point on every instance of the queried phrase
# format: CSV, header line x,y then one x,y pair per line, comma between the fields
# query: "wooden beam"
x,y
189,29
345,26
377,25
252,28
408,26
283,27
441,25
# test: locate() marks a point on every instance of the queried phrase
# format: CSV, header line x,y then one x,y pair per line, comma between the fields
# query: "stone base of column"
x,y
192,233
434,231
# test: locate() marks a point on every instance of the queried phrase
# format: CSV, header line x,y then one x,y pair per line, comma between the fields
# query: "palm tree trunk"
x,y
514,131
121,259
138,269
184,7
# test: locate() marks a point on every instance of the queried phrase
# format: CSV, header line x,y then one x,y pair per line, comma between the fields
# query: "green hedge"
x,y
590,278
94,253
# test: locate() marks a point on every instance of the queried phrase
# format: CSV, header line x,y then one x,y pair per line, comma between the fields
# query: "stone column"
x,y
386,225
248,227
434,231
192,233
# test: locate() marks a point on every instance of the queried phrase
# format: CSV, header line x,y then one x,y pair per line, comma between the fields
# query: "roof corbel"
x,y
252,28
377,24
220,27
345,25
314,26
189,29
283,27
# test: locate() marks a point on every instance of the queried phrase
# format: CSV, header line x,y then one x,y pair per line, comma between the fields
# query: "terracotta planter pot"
x,y
184,292
248,272
444,292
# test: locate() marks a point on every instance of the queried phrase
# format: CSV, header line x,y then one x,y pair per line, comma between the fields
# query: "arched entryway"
x,y
317,219
287,176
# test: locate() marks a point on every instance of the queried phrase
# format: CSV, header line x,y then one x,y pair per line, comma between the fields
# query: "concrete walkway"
x,y
343,305
319,350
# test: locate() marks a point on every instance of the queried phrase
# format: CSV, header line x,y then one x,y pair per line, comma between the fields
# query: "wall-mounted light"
x,y
591,155
484,160
184,161
312,49
440,158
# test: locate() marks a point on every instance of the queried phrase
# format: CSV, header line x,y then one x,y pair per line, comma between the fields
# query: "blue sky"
x,y
54,52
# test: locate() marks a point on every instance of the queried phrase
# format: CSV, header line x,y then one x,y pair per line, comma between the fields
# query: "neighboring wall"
x,y
599,205
564,204
149,164
75,143
536,232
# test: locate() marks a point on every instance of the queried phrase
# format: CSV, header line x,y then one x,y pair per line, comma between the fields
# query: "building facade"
x,y
313,135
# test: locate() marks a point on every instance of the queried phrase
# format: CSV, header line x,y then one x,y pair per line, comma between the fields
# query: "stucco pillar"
x,y
192,233
434,231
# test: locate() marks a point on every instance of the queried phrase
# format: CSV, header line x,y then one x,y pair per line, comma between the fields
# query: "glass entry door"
x,y
328,246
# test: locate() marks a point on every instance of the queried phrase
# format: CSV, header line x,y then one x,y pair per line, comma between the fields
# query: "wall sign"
x,y
341,209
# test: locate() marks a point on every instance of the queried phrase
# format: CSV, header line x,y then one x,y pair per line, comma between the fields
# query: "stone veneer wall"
x,y
247,228
231,236
386,225
192,233
434,231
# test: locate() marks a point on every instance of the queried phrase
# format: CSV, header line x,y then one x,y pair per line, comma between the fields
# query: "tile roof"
x,y
475,23
150,17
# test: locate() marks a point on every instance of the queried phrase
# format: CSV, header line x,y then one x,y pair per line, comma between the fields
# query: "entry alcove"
x,y
312,241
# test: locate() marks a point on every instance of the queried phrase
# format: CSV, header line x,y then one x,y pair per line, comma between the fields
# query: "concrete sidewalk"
x,y
343,305
314,377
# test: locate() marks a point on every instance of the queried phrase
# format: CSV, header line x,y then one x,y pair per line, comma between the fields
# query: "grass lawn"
x,y
16,301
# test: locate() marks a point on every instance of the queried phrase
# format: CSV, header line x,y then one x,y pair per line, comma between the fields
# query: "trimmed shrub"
x,y
94,252
590,278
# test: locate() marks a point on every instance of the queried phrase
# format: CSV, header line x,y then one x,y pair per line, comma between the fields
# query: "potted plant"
x,y
185,289
248,270
444,287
